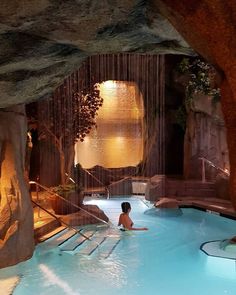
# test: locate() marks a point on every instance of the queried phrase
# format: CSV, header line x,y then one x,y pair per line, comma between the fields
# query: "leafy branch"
x,y
201,76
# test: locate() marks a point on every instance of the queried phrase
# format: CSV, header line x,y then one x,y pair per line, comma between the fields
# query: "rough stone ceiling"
x,y
42,41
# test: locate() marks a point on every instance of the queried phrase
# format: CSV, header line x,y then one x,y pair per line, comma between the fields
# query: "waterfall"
x,y
146,71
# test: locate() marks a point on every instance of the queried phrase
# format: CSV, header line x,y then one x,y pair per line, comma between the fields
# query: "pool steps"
x,y
51,234
92,246
65,236
102,241
109,246
43,227
73,244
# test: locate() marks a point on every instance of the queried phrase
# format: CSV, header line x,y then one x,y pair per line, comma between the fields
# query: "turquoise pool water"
x,y
164,260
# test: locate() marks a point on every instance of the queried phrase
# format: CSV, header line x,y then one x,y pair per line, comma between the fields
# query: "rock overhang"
x,y
42,43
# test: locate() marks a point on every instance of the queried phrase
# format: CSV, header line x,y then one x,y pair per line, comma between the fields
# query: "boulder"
x,y
167,203
83,218
155,188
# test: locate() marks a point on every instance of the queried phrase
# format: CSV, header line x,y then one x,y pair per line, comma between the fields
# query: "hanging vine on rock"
x,y
201,80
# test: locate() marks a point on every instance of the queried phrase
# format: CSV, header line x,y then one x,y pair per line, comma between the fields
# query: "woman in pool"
x,y
125,220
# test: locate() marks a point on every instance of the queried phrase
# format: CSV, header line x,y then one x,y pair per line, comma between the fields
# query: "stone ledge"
x,y
8,285
214,248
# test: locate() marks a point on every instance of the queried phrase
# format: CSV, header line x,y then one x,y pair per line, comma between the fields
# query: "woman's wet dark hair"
x,y
125,206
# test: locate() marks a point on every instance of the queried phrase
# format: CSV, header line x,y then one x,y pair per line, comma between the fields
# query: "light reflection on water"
x,y
53,279
117,276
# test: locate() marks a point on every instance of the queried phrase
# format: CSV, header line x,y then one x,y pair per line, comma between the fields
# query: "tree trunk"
x,y
62,161
69,161
62,167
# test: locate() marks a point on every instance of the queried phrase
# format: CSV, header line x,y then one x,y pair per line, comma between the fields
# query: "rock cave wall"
x,y
209,26
16,213
205,137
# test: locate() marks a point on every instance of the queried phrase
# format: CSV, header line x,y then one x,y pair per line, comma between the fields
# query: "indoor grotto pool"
x,y
164,260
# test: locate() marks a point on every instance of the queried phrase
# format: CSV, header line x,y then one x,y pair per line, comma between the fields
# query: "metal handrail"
x,y
98,180
61,221
106,187
204,160
70,178
68,202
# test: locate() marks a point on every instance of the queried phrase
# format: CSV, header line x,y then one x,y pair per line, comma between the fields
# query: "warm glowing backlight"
x,y
117,141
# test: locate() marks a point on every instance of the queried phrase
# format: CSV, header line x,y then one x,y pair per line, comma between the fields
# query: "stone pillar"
x,y
16,213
